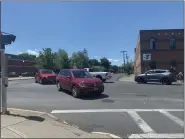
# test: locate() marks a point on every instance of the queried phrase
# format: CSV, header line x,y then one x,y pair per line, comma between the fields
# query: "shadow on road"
x,y
93,97
177,84
110,82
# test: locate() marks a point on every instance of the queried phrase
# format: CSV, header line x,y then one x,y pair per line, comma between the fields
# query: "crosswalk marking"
x,y
173,118
113,110
157,136
140,122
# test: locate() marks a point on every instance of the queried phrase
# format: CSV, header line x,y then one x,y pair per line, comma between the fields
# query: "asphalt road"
x,y
126,109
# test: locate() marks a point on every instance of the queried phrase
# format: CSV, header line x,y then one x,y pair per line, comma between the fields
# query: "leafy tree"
x,y
46,58
128,68
27,56
93,62
105,63
114,68
62,59
80,59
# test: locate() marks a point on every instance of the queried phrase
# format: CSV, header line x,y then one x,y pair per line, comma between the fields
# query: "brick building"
x,y
161,49
19,64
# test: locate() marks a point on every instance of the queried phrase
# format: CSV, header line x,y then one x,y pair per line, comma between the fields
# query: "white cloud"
x,y
96,56
113,60
33,52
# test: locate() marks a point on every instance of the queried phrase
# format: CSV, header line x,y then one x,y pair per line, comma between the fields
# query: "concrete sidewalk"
x,y
128,78
30,124
20,78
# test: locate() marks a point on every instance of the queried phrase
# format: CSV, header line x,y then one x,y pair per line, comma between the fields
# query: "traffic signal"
x,y
7,39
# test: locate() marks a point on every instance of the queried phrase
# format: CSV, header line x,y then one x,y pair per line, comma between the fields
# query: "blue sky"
x,y
103,28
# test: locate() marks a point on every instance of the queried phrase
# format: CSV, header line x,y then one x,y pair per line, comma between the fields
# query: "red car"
x,y
45,76
78,82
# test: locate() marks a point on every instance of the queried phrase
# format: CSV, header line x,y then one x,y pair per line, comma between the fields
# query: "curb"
x,y
11,79
104,133
44,113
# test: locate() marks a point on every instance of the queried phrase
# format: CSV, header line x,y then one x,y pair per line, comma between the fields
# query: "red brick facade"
x,y
162,52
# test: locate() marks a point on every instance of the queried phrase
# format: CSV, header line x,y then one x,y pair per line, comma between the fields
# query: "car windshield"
x,y
47,72
81,74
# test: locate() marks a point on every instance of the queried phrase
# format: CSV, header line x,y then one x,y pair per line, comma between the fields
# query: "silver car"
x,y
157,75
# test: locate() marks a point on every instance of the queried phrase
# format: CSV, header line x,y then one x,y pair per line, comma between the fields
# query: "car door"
x,y
61,78
68,80
149,76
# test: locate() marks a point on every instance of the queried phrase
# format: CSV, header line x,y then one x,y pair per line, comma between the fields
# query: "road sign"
x,y
146,57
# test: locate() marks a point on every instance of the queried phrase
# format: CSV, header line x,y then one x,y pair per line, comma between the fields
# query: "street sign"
x,y
146,57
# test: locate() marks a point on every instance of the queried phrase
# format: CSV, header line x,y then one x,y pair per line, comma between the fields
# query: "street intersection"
x,y
126,109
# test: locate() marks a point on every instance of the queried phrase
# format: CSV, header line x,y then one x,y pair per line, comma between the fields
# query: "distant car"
x,y
45,76
78,82
27,74
157,75
13,74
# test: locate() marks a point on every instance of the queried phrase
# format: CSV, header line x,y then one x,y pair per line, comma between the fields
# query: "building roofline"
x,y
161,30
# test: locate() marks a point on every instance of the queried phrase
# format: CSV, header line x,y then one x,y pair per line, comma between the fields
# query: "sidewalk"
x,y
19,78
128,78
31,124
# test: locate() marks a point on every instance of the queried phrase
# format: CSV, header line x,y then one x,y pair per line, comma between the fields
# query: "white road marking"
x,y
103,133
157,136
173,118
113,110
140,122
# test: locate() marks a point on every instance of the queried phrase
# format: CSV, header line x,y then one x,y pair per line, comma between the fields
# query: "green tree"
x,y
93,62
80,59
128,68
46,58
114,68
105,63
27,56
62,59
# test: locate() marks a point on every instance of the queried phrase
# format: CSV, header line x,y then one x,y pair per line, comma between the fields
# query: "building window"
x,y
152,65
172,43
152,43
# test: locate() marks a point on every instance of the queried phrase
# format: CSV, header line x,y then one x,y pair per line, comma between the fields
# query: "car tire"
x,y
99,93
140,80
99,77
75,92
36,80
166,81
40,81
59,88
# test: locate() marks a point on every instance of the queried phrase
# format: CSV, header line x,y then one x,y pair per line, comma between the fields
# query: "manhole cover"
x,y
108,101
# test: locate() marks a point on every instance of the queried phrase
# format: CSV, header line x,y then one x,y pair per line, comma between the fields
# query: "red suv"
x,y
45,76
78,82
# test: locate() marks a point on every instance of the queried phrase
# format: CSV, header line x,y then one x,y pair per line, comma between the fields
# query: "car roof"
x,y
159,70
74,69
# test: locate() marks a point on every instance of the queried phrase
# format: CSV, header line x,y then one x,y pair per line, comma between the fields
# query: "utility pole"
x,y
127,58
123,59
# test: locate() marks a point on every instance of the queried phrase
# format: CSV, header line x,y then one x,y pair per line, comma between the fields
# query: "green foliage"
x,y
62,60
94,62
80,59
105,63
46,58
128,68
114,69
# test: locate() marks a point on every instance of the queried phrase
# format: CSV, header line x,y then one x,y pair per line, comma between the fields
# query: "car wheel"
x,y
40,81
75,92
166,81
99,77
59,88
36,80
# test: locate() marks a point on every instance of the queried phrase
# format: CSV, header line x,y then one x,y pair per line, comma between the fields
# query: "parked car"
x,y
157,75
45,76
78,82
28,74
13,74
100,75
